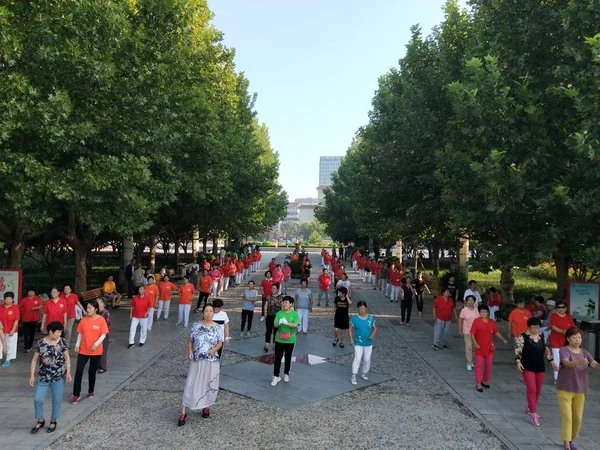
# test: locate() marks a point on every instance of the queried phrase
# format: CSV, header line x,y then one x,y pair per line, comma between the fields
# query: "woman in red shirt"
x,y
483,331
55,310
493,303
287,271
560,322
395,281
30,316
9,316
265,288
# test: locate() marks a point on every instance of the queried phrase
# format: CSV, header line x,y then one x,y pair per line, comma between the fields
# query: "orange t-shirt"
x,y
165,289
240,266
186,292
518,320
205,283
91,330
152,294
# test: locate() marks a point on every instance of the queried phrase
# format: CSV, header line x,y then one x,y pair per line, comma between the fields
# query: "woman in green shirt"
x,y
286,323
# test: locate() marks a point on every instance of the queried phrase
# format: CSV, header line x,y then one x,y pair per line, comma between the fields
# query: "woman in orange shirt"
x,y
152,294
186,292
165,289
204,282
91,332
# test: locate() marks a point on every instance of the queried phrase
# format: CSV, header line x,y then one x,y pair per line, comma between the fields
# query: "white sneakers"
x,y
275,380
353,380
262,319
286,378
364,376
469,367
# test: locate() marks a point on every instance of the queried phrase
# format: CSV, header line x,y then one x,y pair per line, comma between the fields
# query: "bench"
x,y
94,294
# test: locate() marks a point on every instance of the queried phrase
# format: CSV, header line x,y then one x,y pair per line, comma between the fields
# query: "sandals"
x,y
335,342
51,427
38,425
342,345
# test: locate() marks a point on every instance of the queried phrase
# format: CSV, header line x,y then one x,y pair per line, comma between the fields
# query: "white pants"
x,y
354,265
11,346
143,323
214,287
361,274
184,314
150,318
225,282
556,357
368,276
374,280
493,310
395,290
328,267
163,304
302,320
388,289
238,278
363,353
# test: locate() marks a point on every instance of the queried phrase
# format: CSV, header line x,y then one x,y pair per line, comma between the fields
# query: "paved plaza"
x,y
415,397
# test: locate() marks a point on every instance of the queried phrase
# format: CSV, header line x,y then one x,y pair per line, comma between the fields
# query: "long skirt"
x,y
202,384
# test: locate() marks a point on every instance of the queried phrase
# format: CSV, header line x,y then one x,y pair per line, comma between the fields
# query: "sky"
x,y
315,66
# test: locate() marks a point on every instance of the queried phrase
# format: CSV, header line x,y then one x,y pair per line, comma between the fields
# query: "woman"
x,y
306,266
560,323
344,282
362,332
105,313
215,277
420,286
303,302
494,302
265,291
55,310
530,352
482,332
406,301
54,368
165,291
91,332
467,316
572,385
270,309
287,271
204,283
202,383
248,300
186,294
341,316
286,322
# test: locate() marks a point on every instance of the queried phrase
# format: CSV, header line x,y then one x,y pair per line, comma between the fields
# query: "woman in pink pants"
x,y
530,351
483,331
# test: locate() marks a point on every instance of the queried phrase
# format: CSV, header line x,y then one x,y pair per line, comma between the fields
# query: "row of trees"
x,y
126,118
489,130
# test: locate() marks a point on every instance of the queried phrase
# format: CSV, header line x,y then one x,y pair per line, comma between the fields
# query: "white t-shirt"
x,y
475,294
221,318
342,283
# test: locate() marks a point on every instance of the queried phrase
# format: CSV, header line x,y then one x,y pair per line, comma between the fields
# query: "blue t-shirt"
x,y
362,330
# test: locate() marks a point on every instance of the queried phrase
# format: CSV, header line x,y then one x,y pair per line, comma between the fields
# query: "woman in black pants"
x,y
420,287
286,323
271,307
406,304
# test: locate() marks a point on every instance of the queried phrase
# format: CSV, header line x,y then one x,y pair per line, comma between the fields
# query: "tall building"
x,y
328,165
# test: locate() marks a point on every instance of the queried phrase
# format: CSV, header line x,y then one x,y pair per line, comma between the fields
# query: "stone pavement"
x,y
502,407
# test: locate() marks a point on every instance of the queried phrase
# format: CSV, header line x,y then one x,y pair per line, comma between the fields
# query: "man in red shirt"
x,y
30,315
138,313
324,286
9,316
71,300
443,312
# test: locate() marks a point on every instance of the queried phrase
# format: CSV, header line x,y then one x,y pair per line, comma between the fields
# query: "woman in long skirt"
x,y
202,384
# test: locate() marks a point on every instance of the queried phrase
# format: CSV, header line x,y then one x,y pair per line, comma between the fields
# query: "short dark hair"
x,y
9,294
217,303
492,289
343,290
55,326
208,304
268,272
276,284
94,303
483,308
288,298
540,299
470,296
471,282
303,280
361,303
534,322
572,332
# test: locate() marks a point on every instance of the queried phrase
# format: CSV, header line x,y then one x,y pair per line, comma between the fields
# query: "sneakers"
x,y
205,413
177,324
435,347
262,319
469,367
196,310
318,304
182,420
353,380
535,420
364,376
141,344
130,345
75,399
275,380
6,363
286,378
445,346
91,395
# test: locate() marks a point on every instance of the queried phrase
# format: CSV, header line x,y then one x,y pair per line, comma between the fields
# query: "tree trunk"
x,y
81,239
435,260
177,251
81,254
153,255
215,247
15,253
507,283
139,251
204,244
561,261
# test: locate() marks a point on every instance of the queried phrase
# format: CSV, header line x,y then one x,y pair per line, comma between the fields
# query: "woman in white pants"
x,y
362,332
10,315
138,313
303,303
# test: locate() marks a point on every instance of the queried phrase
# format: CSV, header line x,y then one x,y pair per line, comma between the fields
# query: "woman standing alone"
x,y
286,323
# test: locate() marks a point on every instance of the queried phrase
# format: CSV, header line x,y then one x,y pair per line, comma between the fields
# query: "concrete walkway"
x,y
502,407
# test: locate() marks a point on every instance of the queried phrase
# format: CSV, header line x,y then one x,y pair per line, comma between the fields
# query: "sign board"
x,y
11,280
583,299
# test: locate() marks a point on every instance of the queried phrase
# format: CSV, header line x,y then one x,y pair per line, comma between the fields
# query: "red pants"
x,y
534,382
483,368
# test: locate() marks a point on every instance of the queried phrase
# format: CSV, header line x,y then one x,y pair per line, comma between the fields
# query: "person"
x,y
270,309
382,280
265,289
362,332
202,382
30,307
91,332
50,368
560,322
572,385
248,302
341,316
10,316
239,264
285,323
72,301
406,304
109,290
551,309
215,276
303,304
186,293
139,277
165,292
443,312
306,266
138,314
395,277
482,332
465,320
287,274
222,319
538,309
193,276
420,287
517,320
105,313
324,286
3,348
493,303
475,292
278,277
375,271
530,351
204,283
129,277
152,293
344,282
451,286
55,310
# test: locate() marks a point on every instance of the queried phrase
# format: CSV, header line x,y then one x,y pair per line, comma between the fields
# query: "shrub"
x,y
267,244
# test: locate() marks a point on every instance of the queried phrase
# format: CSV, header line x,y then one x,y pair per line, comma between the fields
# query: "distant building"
x,y
306,213
327,166
307,201
292,213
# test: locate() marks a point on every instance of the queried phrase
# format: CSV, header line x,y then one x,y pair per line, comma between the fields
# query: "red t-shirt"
x,y
272,267
484,335
278,276
8,317
247,262
324,282
395,278
327,259
266,286
54,310
557,340
375,268
165,289
152,294
443,308
240,266
231,269
494,300
140,306
71,301
518,320
27,313
186,292
286,270
205,283
362,263
339,272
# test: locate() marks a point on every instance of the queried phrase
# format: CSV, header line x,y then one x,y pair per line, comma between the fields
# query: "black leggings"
x,y
94,366
262,309
280,350
247,314
203,296
420,302
28,329
406,309
270,333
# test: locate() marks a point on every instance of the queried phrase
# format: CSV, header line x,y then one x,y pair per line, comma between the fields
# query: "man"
x,y
517,320
139,277
129,277
222,319
72,301
474,291
443,313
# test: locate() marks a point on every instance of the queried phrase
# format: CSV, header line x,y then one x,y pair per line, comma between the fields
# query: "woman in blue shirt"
x,y
362,331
